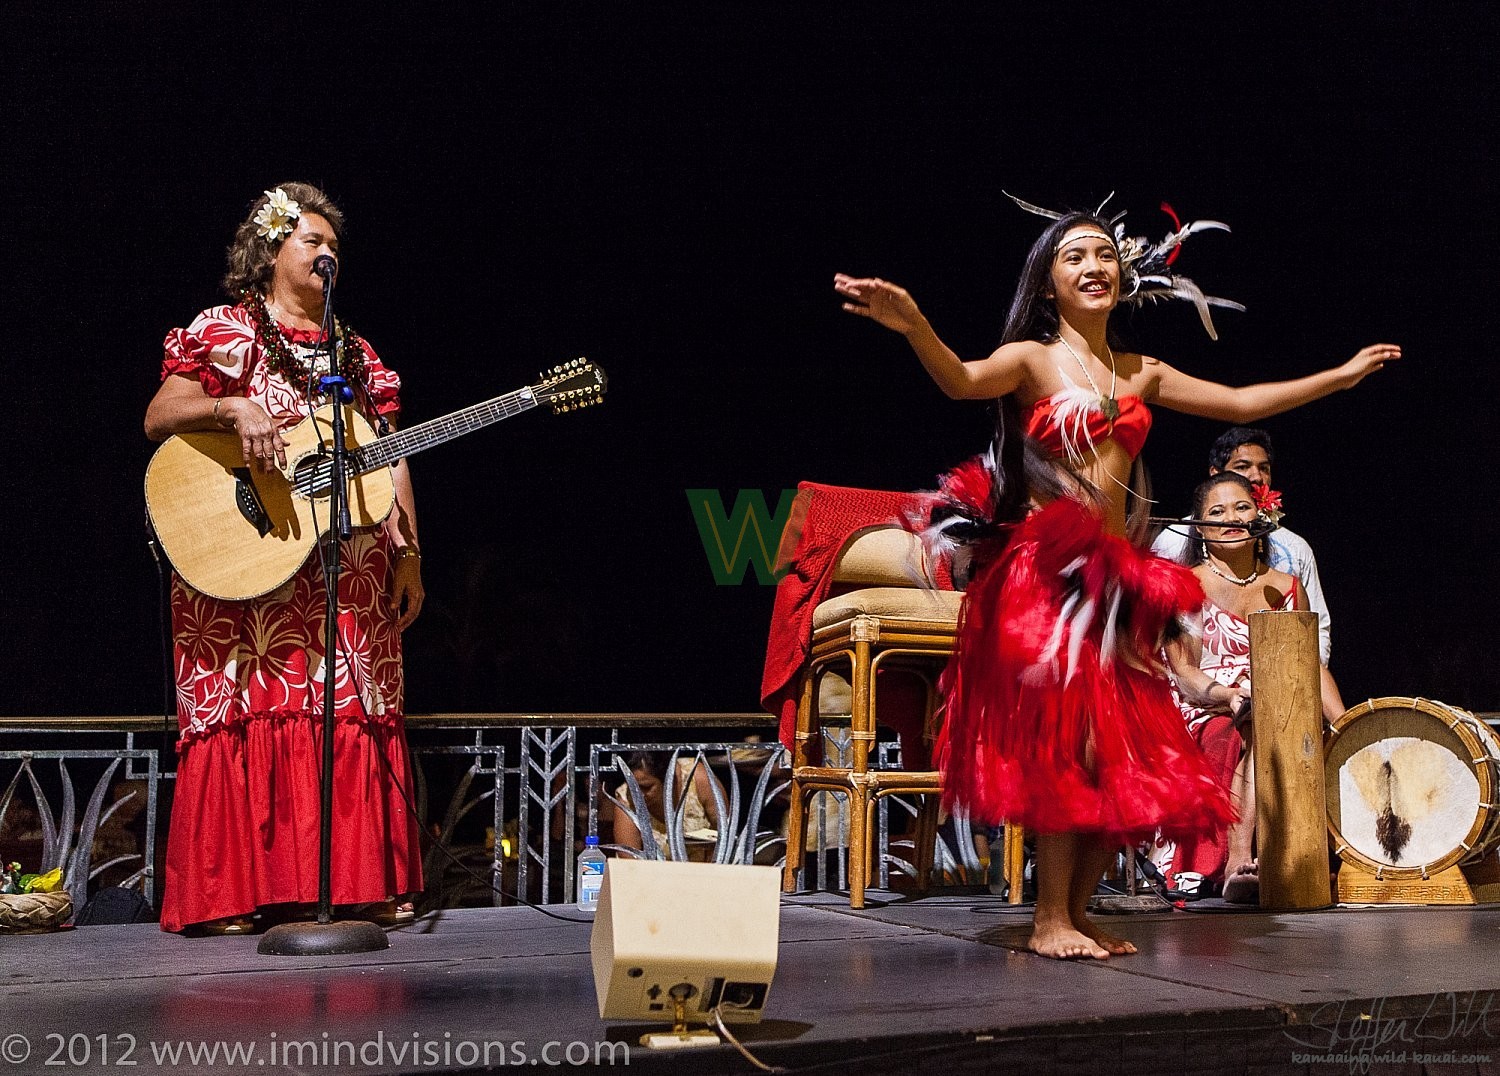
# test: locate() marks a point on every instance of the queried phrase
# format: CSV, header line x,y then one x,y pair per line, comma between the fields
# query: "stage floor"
x,y
918,985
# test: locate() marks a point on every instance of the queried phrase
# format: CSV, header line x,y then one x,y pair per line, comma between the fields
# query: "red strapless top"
x,y
1130,429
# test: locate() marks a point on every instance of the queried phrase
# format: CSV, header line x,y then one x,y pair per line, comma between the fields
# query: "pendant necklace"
x,y
1108,405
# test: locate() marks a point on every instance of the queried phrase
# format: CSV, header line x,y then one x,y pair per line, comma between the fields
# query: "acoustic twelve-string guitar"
x,y
236,532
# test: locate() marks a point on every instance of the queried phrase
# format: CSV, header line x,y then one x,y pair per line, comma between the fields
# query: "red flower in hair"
x,y
1268,503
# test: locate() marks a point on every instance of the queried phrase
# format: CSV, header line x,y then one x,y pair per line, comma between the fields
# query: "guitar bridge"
x,y
248,501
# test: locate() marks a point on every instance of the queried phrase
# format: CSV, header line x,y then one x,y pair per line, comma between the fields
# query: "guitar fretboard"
x,y
404,443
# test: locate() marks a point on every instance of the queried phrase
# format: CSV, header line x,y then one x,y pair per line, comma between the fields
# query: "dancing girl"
x,y
1059,715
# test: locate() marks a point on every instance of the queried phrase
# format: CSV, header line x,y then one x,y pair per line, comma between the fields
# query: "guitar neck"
x,y
414,439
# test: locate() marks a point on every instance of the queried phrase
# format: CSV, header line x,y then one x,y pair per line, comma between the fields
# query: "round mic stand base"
x,y
322,939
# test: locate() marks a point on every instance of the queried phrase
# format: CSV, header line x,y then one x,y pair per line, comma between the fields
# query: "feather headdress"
x,y
1145,273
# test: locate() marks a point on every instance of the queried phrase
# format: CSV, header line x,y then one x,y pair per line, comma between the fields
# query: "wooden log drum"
x,y
1291,819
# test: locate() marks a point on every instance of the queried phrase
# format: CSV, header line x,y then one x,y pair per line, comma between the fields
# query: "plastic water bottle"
x,y
590,875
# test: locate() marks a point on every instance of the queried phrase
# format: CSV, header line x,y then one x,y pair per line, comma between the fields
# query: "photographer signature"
x,y
1361,1027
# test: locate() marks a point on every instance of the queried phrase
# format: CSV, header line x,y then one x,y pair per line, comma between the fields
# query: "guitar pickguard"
x,y
248,501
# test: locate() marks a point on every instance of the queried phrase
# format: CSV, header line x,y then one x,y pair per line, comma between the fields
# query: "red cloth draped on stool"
x,y
1057,717
829,515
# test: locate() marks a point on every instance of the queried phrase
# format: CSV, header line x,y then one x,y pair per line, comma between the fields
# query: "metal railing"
x,y
503,798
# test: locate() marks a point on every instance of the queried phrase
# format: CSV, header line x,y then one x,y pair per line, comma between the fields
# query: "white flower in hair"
x,y
277,217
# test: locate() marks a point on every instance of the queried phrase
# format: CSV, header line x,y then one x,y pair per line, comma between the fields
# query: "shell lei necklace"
x,y
1236,580
1108,405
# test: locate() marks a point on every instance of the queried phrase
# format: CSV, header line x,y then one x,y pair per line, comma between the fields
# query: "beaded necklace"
x,y
281,359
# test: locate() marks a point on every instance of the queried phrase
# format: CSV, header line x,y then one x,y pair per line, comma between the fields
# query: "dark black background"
x,y
668,191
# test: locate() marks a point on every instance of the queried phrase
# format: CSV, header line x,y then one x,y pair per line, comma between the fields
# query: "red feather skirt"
x,y
1059,716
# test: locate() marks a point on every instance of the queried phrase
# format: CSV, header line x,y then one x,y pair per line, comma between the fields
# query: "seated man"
x,y
1247,451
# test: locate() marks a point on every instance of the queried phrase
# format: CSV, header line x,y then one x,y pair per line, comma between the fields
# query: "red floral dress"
x,y
244,830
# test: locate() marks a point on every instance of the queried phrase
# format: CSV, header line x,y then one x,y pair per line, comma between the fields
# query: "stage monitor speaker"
x,y
705,930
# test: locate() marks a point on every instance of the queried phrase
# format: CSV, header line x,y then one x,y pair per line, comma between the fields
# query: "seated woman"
x,y
693,794
1213,676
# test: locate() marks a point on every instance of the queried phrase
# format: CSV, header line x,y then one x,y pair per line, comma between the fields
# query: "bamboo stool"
x,y
889,623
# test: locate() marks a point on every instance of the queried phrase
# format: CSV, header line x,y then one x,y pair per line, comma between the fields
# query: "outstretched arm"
x,y
1249,403
892,306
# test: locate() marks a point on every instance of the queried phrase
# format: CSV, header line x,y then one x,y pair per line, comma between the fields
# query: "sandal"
x,y
385,913
230,926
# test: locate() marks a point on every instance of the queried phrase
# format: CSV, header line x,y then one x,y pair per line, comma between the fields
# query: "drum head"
x,y
1404,790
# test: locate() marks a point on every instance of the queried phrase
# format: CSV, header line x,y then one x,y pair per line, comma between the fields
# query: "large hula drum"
x,y
1411,787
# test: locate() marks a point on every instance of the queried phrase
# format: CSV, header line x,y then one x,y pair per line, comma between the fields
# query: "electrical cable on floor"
x,y
723,1029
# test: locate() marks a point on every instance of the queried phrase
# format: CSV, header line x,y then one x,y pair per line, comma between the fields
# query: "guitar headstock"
x,y
572,385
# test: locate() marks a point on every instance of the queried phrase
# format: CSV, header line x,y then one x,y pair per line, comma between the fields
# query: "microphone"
x,y
325,266
1256,528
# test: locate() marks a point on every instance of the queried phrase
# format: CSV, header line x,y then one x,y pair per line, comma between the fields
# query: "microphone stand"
x,y
326,936
1255,530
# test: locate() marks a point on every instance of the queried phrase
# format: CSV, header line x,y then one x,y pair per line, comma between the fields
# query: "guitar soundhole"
x,y
312,474
247,500
311,479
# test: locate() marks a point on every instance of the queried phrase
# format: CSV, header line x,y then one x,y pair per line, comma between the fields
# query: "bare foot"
x,y
1112,942
1243,884
1064,942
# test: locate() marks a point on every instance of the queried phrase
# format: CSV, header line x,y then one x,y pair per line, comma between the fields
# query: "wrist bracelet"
x,y
405,551
217,420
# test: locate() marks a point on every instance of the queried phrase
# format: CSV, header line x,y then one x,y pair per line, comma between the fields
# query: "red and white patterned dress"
x,y
1226,658
244,830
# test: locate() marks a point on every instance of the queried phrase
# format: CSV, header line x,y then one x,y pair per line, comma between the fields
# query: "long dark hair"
x,y
1197,548
1023,467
